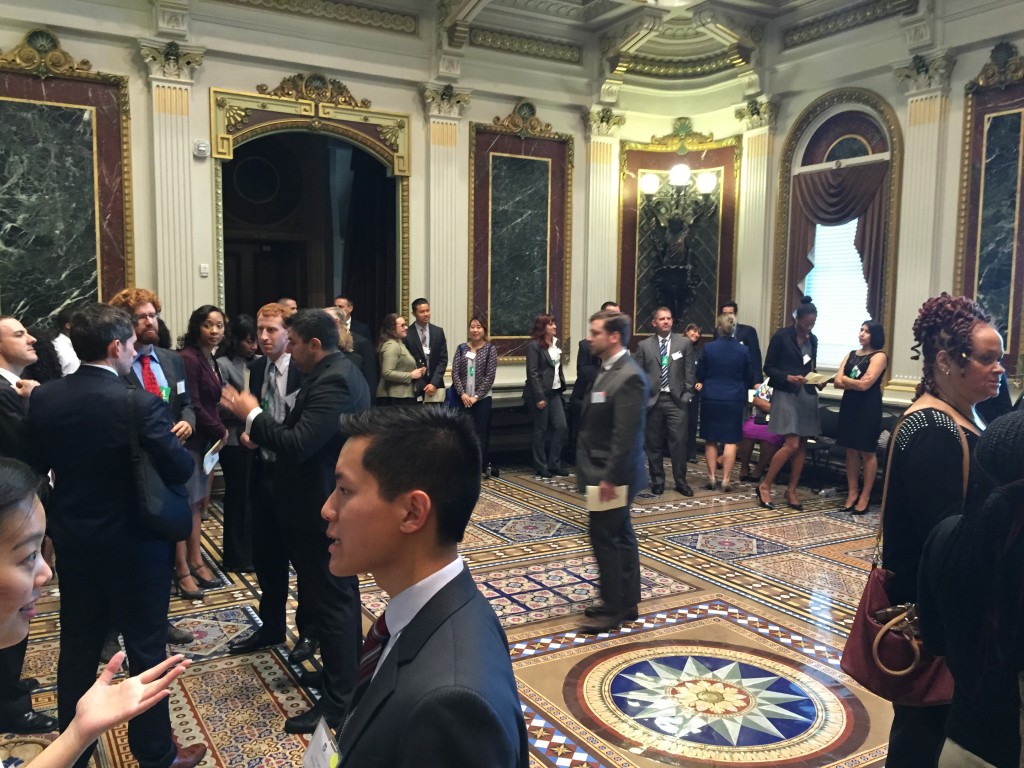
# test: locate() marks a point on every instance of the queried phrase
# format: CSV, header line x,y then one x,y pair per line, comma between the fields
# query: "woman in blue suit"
x,y
724,374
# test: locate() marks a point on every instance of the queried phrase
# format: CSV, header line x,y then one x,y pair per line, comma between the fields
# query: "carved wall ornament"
x,y
171,18
758,113
317,88
171,60
40,53
537,47
346,13
850,18
602,121
523,120
444,101
924,73
1005,67
682,139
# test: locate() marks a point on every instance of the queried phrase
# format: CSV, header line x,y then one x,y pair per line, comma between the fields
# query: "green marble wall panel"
x,y
520,199
48,233
997,233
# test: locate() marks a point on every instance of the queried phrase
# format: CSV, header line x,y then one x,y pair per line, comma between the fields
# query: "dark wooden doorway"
x,y
309,216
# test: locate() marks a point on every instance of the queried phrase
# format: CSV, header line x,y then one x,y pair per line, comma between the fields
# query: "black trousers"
x,y
236,462
917,736
14,702
618,558
547,452
480,413
136,606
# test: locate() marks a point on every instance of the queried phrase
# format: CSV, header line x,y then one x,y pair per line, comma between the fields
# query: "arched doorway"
x,y
308,215
312,197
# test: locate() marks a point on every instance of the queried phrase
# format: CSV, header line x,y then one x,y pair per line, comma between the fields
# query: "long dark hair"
x,y
195,321
540,326
240,328
387,328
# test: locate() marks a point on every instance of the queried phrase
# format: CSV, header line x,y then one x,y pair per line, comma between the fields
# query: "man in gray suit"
x,y
670,364
609,453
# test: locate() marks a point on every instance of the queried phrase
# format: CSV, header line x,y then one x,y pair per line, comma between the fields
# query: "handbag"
x,y
162,508
883,651
451,398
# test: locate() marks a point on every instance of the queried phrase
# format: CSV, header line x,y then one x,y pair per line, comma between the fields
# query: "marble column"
x,y
757,197
171,66
918,273
445,283
600,262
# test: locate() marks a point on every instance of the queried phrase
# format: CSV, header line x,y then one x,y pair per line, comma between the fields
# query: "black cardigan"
x,y
784,359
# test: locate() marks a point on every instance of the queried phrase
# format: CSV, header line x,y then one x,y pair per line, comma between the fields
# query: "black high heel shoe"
x,y
761,501
182,592
203,583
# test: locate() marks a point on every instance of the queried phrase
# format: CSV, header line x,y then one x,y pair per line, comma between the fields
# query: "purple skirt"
x,y
758,432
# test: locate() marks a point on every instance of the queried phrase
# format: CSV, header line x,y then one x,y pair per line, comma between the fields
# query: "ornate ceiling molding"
x,y
735,57
926,73
317,88
855,16
171,61
537,47
444,100
1004,67
345,13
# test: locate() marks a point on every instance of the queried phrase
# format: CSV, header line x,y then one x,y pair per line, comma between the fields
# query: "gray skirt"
x,y
795,413
199,483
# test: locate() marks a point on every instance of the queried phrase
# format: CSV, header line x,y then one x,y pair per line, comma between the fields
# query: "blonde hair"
x,y
726,324
344,335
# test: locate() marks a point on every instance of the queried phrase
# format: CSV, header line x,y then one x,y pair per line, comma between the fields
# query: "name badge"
x,y
598,397
471,355
165,394
807,359
322,751
676,355
181,388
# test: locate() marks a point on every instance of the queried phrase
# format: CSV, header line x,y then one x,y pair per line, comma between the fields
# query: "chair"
x,y
823,447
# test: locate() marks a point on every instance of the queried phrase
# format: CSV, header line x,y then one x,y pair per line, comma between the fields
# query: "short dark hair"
x,y
609,304
95,326
445,464
18,484
877,333
65,314
419,302
692,327
614,322
727,305
195,322
311,324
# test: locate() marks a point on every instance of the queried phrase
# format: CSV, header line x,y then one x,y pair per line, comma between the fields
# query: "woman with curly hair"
x,y
961,355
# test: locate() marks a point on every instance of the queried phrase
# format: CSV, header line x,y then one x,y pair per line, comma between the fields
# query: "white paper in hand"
x,y
594,503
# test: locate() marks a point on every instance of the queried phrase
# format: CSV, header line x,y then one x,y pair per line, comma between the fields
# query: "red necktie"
x,y
148,377
373,647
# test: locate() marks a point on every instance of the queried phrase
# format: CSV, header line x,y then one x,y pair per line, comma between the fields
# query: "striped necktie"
x,y
373,647
664,363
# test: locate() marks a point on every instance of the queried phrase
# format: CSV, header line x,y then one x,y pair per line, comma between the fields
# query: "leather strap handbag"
x,y
884,652
162,508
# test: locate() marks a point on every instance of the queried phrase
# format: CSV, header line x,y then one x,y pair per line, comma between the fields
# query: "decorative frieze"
x,y
852,17
537,47
346,13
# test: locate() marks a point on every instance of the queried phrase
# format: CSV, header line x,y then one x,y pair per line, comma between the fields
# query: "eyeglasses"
x,y
145,316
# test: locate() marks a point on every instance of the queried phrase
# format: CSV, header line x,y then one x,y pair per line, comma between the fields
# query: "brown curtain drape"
x,y
833,197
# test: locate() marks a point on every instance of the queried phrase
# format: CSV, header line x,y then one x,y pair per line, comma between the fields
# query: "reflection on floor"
x,y
733,660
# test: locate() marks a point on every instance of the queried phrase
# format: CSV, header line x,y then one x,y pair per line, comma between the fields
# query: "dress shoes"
x,y
29,722
559,473
189,757
543,473
684,489
311,678
28,685
605,622
306,722
303,650
597,611
657,490
255,642
178,636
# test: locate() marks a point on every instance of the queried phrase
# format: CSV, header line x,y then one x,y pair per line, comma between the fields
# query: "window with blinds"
x,y
836,284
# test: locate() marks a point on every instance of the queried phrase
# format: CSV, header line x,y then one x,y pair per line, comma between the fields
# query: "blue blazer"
x,y
725,371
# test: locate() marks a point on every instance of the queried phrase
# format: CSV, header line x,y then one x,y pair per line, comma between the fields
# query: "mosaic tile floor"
x,y
734,658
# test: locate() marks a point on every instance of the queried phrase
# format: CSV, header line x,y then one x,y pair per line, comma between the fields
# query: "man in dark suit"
x,y
428,346
609,454
79,427
587,366
355,326
436,685
670,364
306,446
745,335
16,353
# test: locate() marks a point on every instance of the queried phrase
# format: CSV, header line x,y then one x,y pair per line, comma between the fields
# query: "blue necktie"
x,y
664,363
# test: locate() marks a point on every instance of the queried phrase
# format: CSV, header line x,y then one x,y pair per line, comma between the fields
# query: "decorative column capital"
x,y
758,113
171,61
601,121
170,17
926,72
444,100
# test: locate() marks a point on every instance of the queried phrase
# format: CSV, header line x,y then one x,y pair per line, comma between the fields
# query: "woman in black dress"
x,y
860,412
961,353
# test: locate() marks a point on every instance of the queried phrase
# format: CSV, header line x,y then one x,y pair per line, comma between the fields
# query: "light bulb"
x,y
679,175
649,183
706,183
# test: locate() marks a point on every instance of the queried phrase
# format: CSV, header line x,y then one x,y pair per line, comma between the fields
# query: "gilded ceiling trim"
x,y
842,21
881,110
733,57
344,13
536,47
308,102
